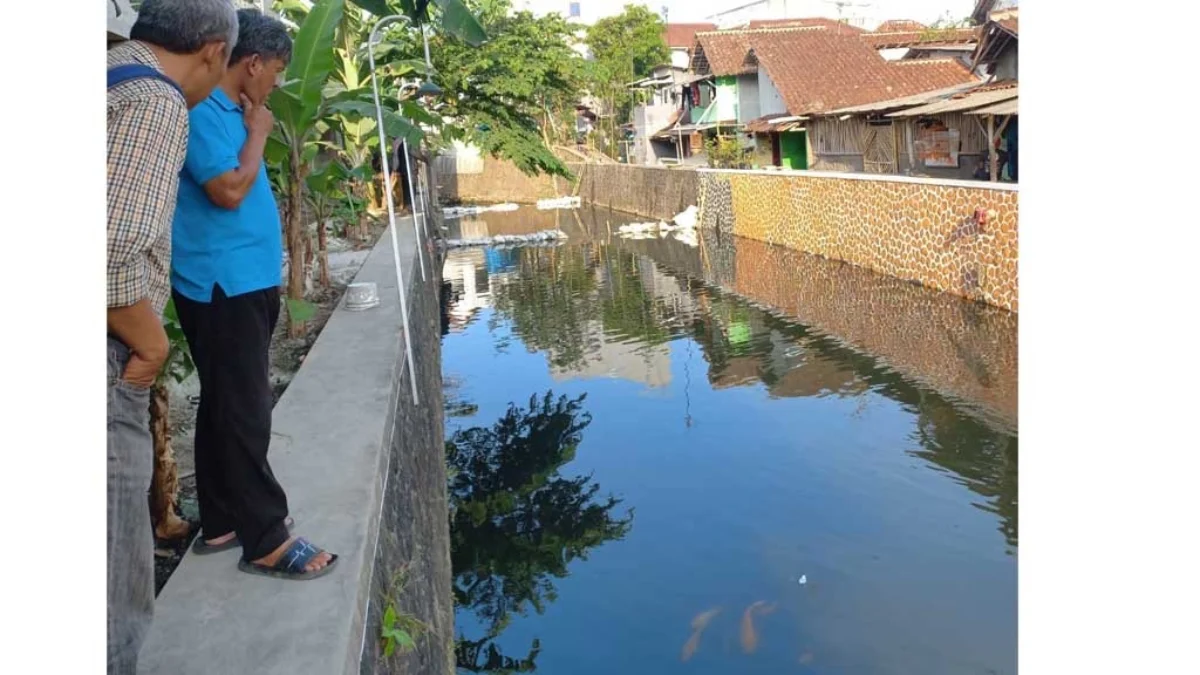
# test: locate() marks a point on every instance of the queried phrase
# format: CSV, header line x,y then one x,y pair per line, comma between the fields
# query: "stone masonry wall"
x,y
959,237
964,350
414,528
918,230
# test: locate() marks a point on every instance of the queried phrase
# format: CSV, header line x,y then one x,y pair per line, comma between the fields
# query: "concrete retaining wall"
x,y
648,191
498,181
365,472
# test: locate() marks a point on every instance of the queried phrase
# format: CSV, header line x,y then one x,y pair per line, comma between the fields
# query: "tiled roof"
x,y
915,76
804,23
909,38
900,26
817,71
681,35
725,52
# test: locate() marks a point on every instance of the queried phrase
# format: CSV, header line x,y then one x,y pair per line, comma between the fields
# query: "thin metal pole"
x,y
387,182
417,204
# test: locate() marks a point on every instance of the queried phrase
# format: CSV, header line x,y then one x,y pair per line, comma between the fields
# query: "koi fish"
x,y
699,623
749,635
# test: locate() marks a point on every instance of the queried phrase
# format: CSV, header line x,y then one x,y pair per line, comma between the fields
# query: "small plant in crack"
x,y
398,631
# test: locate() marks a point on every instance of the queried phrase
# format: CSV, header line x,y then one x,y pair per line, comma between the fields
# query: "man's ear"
x,y
215,54
254,65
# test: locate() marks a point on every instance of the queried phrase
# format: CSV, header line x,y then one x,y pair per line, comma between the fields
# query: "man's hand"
x,y
142,372
230,188
141,329
257,118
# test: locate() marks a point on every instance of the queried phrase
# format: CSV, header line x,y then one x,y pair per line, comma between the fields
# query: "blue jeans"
x,y
130,537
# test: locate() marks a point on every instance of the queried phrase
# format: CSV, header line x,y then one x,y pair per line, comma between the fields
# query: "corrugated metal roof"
x,y
777,122
969,101
1008,107
915,99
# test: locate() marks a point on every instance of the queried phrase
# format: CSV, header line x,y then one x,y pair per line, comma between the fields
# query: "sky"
x,y
925,11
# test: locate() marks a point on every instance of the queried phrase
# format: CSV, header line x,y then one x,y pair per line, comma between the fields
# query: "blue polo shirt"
x,y
241,249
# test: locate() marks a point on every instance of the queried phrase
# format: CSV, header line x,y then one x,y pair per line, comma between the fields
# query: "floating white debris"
x,y
558,203
460,211
687,236
638,228
687,219
535,238
803,579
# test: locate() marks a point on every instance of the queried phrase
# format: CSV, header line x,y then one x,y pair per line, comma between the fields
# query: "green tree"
x,y
624,48
300,106
504,94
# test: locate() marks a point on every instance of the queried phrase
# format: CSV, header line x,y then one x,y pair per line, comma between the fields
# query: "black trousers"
x,y
229,339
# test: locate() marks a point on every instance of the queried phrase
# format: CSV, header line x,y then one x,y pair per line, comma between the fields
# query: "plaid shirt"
x,y
147,142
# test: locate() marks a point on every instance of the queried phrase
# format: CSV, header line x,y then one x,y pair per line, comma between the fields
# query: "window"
x,y
574,10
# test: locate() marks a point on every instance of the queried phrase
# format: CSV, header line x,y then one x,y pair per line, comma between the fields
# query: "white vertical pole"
x,y
418,207
387,183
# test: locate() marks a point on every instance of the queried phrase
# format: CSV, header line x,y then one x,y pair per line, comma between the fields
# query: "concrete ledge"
x,y
332,439
877,177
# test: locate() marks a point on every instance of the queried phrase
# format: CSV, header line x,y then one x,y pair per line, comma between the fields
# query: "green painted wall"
x,y
727,98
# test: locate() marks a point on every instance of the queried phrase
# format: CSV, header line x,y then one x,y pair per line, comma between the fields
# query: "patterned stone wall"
x,y
919,230
966,351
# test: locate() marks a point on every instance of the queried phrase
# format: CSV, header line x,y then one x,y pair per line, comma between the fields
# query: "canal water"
x,y
722,458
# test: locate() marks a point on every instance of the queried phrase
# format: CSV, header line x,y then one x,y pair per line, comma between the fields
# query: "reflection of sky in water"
x,y
801,458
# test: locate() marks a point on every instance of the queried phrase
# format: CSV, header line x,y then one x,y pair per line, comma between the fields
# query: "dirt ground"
x,y
287,354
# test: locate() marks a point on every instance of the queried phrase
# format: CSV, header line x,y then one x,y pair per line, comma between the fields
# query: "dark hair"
x,y
185,26
262,35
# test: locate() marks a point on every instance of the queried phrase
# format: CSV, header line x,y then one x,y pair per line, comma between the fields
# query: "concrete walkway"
x,y
329,442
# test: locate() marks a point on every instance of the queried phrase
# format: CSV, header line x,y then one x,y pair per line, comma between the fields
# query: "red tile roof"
x,y
725,52
900,26
683,35
909,38
817,71
804,23
917,76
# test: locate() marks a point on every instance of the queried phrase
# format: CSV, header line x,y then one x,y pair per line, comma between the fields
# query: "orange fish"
x,y
749,635
699,623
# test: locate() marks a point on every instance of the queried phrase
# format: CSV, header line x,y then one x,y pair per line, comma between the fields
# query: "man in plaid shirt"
x,y
178,52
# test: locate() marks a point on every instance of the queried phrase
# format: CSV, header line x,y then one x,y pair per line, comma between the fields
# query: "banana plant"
x,y
299,107
323,187
456,19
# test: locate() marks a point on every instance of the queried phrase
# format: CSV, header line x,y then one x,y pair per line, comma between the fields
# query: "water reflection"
x,y
517,523
863,360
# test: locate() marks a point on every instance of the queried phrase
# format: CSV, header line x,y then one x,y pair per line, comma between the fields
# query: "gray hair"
x,y
262,35
185,26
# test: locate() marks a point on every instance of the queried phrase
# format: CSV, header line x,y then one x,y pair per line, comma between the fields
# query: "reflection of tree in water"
x,y
628,307
549,303
516,524
560,291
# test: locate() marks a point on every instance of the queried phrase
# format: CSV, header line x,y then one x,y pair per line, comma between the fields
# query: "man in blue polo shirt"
x,y
225,274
